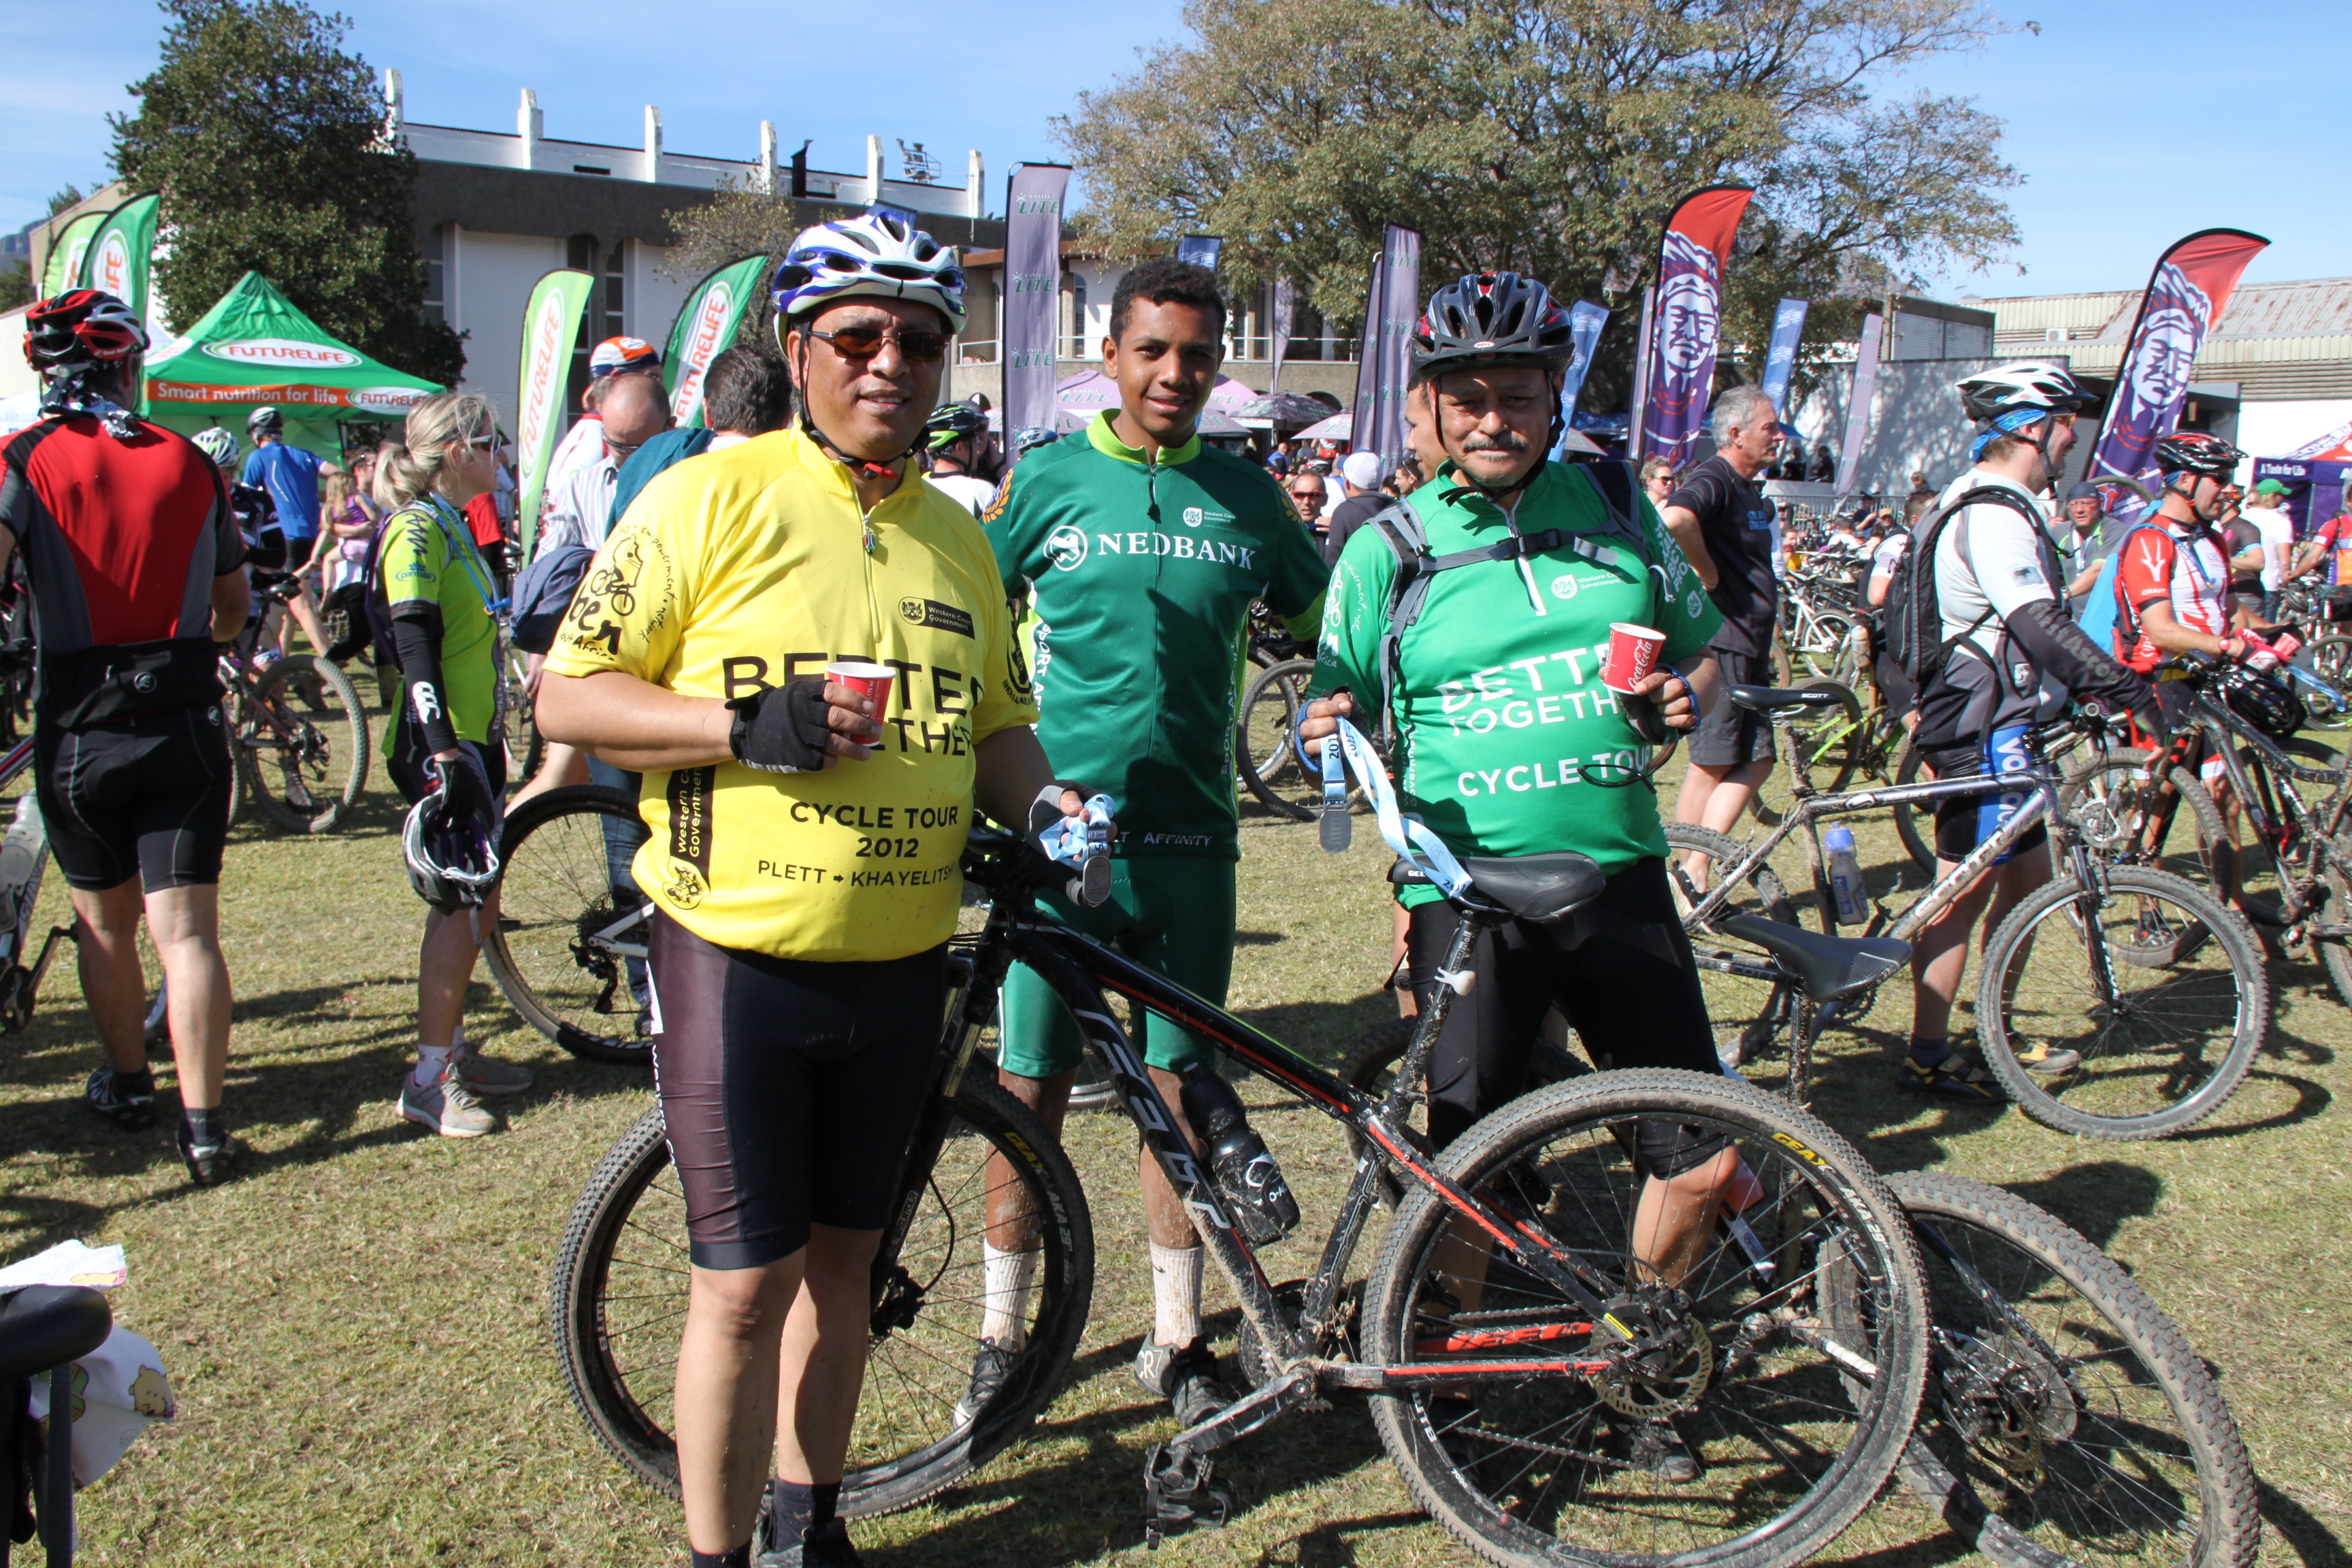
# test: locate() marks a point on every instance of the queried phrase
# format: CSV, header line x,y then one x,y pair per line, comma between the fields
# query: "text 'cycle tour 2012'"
x,y
1830,840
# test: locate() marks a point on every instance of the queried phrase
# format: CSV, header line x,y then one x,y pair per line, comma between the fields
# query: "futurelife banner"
x,y
121,260
1690,318
1384,366
551,324
1033,292
1780,359
1286,299
706,325
1585,320
2190,289
62,268
1200,249
1857,412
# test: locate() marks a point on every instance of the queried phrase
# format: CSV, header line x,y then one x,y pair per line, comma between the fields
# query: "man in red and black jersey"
x,y
136,570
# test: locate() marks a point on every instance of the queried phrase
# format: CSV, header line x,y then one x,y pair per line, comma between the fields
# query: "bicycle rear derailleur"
x,y
1179,1488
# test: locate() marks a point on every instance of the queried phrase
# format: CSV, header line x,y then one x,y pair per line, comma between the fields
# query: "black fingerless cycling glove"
x,y
782,729
1644,715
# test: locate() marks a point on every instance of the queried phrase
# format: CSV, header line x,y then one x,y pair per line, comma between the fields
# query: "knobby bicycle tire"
x,y
304,743
545,950
605,1362
2253,868
1545,1496
2219,1029
2028,1398
2335,910
1371,1061
1920,846
1269,769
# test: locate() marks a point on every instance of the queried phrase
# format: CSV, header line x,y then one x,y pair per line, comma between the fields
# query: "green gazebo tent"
x,y
255,347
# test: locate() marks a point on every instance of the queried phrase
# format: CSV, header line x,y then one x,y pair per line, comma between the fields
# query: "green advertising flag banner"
x,y
122,250
62,271
550,326
706,324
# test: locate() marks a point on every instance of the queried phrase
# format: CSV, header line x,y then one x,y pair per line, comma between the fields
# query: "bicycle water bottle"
x,y
1245,1175
1845,878
20,849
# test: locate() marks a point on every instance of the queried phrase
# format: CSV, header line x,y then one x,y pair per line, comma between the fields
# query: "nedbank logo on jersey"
x,y
1067,547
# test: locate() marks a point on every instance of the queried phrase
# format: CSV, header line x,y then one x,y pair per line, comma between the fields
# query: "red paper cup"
x,y
871,681
1633,653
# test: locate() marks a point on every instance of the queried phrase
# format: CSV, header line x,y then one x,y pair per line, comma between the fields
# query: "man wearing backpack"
x,y
1978,616
1473,625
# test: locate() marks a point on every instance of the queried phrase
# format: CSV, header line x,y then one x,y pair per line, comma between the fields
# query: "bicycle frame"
x,y
20,983
1080,970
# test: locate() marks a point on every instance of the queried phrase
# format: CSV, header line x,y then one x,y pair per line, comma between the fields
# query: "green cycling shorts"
x,y
1173,915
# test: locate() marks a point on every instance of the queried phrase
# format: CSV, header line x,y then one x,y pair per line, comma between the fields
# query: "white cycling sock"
x,y
430,1060
457,1039
1175,1294
1006,1278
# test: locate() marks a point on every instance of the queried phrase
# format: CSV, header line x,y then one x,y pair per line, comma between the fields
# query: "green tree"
x,y
17,283
264,139
1553,138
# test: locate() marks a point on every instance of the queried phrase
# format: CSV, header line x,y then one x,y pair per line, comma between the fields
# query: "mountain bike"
x,y
568,951
296,728
1515,1344
2292,878
1819,609
2159,986
2067,1415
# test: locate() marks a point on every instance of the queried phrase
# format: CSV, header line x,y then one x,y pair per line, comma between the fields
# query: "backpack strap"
x,y
1923,555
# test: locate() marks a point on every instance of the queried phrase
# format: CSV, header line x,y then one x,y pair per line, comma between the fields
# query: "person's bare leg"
x,y
724,1412
823,1364
1011,1226
564,765
1939,956
1171,1223
1675,1218
185,924
302,611
1713,795
444,968
113,984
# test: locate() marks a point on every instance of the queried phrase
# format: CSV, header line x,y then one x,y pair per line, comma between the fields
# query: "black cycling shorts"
x,y
1621,972
790,1088
300,551
1728,734
1965,821
146,797
409,760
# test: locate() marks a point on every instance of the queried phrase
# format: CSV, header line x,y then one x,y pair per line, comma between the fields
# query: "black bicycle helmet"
x,y
1488,320
2195,452
2026,384
952,423
265,421
2261,700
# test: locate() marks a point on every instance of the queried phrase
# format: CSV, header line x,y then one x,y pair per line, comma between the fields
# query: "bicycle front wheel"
x,y
617,1308
2157,985
569,949
2068,1421
1263,754
1545,1462
303,741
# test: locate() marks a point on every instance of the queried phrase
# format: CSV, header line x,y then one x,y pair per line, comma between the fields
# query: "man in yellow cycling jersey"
x,y
805,840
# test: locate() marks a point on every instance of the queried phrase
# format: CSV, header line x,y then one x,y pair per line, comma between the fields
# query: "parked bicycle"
x,y
296,727
1792,1360
569,949
2159,986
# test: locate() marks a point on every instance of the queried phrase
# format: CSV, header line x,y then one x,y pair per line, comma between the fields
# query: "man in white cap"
x,y
1360,473
583,445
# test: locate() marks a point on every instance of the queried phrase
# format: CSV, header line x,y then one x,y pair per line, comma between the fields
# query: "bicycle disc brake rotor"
x,y
1669,1376
2008,1402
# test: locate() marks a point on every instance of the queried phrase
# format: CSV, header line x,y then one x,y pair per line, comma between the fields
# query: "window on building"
x,y
1305,332
1073,346
580,255
615,291
435,272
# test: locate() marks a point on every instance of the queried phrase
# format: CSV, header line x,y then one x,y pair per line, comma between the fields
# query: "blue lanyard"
x,y
462,547
2188,548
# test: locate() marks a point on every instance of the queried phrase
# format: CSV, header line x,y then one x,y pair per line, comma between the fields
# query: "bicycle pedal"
x,y
1180,1490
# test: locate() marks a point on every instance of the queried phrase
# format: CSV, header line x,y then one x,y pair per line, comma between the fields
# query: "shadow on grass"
x,y
2315,1545
1323,1032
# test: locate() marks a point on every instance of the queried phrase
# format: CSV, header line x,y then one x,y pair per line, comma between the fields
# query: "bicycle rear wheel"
x,y
1371,1067
1543,1466
2190,1003
1262,751
1919,844
1752,1019
302,740
569,948
2068,1421
1828,744
616,1307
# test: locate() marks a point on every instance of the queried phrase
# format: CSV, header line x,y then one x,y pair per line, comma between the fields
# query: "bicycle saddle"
x,y
1539,888
44,1326
1768,698
1826,966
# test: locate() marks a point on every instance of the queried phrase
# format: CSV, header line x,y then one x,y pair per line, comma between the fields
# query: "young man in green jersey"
x,y
1509,743
1141,549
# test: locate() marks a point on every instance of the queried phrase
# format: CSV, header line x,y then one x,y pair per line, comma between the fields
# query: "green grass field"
x,y
357,1334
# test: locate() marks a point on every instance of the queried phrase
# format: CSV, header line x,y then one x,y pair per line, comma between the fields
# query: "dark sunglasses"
x,y
917,346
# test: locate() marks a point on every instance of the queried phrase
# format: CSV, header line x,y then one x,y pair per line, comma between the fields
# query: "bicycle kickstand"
x,y
1180,1489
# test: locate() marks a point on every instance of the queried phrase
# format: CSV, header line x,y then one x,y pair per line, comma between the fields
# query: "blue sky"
x,y
2135,123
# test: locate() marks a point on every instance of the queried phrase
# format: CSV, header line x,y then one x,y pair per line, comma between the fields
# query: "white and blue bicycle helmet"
x,y
878,252
452,857
219,445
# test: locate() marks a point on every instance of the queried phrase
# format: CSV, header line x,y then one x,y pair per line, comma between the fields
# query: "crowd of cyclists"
x,y
707,611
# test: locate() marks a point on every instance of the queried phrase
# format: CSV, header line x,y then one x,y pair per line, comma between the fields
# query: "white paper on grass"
x,y
69,1263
